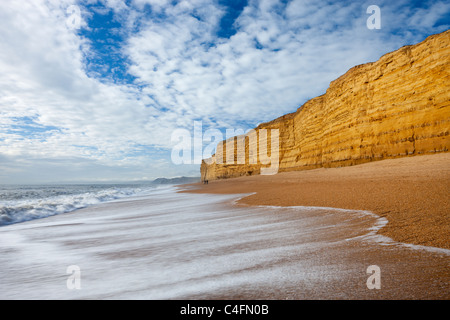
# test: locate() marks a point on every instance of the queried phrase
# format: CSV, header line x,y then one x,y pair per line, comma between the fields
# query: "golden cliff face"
x,y
397,106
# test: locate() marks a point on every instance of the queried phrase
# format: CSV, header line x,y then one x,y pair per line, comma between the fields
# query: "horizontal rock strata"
x,y
395,107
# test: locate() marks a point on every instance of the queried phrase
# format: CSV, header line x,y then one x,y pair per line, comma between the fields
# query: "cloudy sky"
x,y
93,90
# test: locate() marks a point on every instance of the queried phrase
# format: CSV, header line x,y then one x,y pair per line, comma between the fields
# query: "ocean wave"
x,y
24,204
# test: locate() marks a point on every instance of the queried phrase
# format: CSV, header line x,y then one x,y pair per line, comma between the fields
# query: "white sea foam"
x,y
372,232
19,204
168,245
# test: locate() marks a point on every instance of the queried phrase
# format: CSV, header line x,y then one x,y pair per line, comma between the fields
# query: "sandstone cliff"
x,y
397,106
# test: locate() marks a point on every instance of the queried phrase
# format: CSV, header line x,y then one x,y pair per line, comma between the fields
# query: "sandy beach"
x,y
295,235
412,193
170,245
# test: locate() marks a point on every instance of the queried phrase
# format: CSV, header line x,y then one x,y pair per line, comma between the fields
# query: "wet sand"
x,y
171,245
412,193
174,246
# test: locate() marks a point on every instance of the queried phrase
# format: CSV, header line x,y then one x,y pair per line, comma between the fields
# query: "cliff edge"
x,y
395,107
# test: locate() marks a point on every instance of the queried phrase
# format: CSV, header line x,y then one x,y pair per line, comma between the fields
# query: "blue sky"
x,y
97,96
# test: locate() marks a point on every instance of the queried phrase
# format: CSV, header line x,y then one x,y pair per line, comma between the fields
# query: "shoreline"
x,y
180,245
410,192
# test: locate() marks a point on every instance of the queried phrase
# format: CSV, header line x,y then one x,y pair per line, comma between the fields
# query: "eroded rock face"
x,y
397,106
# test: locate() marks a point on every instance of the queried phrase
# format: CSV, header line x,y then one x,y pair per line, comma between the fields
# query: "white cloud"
x,y
269,67
280,56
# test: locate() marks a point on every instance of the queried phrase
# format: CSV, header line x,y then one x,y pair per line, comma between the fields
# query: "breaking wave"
x,y
24,203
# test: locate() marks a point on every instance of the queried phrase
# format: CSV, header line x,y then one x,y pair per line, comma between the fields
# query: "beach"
x,y
179,246
412,193
224,150
195,242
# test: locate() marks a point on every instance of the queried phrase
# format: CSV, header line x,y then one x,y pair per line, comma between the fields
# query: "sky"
x,y
95,90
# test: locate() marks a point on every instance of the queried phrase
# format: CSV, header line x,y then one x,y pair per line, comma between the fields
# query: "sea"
x,y
19,203
154,242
